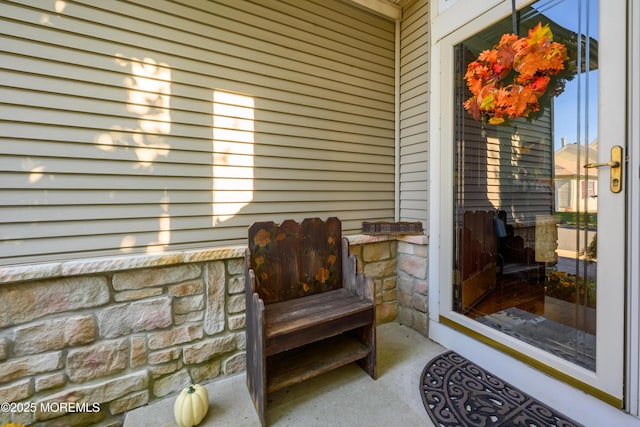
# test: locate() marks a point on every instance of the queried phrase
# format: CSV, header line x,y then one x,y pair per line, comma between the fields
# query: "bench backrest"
x,y
478,242
292,260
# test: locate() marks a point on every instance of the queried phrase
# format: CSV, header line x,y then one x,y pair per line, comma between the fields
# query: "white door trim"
x,y
552,391
633,253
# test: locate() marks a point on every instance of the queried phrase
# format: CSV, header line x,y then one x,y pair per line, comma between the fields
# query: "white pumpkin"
x,y
191,405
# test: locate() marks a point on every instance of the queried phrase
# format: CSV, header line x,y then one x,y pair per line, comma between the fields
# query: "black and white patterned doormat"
x,y
457,392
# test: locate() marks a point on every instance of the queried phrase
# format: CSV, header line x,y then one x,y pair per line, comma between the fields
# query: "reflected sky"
x,y
578,16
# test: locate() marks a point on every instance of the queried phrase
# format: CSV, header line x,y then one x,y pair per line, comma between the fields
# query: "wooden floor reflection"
x,y
531,297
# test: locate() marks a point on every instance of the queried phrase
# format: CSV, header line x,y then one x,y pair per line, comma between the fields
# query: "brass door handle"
x,y
616,168
599,165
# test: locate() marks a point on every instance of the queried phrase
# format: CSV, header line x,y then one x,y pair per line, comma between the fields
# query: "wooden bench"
x,y
477,257
308,310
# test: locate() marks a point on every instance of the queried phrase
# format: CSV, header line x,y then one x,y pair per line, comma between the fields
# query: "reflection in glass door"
x,y
525,207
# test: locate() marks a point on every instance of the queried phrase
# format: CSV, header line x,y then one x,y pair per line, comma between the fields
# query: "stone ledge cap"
x,y
415,239
359,239
76,267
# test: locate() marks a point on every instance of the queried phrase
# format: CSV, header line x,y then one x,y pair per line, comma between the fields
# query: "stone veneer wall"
x,y
412,285
378,260
122,332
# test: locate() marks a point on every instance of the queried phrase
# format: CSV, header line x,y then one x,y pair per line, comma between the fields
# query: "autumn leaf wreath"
x,y
508,80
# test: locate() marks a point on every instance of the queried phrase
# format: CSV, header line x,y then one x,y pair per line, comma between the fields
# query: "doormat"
x,y
457,392
569,343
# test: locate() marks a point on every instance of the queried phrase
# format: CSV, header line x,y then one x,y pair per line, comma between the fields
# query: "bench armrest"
x,y
352,279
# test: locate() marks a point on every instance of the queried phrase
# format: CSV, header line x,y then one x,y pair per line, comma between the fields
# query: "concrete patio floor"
x,y
344,397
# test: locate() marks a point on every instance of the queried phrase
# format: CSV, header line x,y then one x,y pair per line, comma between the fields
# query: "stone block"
x,y
420,302
380,268
171,383
234,364
138,351
137,316
386,312
13,369
165,355
405,283
4,349
24,302
100,392
182,305
405,299
389,283
194,316
421,251
406,248
50,381
421,287
150,277
206,371
236,304
241,341
175,336
390,295
54,335
413,265
421,323
356,250
137,294
235,266
405,316
98,360
235,285
237,322
214,317
191,287
205,350
165,369
376,252
129,402
16,391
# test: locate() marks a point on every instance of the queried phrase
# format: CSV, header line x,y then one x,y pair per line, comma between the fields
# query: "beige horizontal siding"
x,y
510,175
130,127
414,112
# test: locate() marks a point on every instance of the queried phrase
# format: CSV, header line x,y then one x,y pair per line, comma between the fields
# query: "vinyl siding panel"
x,y
499,172
143,126
414,87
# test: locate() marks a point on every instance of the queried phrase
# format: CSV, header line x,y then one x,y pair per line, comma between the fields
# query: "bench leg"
x,y
256,360
368,337
257,389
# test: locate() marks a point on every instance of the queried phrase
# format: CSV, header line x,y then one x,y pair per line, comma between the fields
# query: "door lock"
x,y
616,168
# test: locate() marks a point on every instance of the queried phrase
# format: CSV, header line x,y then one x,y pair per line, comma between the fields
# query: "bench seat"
x,y
300,321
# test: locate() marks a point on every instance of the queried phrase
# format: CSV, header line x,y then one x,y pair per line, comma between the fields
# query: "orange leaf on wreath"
x,y
532,59
505,55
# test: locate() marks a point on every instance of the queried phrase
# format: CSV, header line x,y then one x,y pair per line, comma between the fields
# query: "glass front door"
x,y
532,203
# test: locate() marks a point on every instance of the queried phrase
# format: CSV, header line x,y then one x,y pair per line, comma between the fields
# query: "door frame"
x,y
457,334
633,194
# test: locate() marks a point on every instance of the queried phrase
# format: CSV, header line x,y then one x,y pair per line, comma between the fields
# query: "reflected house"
x,y
576,188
